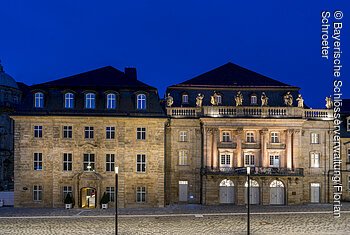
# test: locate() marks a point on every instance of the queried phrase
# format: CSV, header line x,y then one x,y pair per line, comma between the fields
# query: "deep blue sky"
x,y
171,41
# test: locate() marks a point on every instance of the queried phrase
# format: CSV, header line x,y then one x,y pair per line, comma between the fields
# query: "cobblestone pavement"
x,y
235,224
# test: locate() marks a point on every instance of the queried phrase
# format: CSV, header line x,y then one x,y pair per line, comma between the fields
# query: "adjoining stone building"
x,y
229,118
10,96
70,134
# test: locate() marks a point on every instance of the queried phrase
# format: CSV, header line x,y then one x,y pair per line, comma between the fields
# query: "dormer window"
x,y
69,100
348,124
39,100
111,101
253,100
90,101
185,99
141,101
219,99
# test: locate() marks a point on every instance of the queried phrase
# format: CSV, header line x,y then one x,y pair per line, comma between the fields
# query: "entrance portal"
x,y
88,198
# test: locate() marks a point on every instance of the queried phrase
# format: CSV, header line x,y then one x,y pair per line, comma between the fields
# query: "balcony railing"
x,y
257,171
248,111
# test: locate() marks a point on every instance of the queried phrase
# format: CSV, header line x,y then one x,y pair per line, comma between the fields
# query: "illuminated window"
x,y
225,160
274,160
110,193
38,161
141,194
67,132
219,99
141,163
39,100
37,192
348,124
183,136
89,162
315,160
253,99
67,161
110,132
348,155
111,101
348,182
183,157
141,133
184,98
69,100
249,160
141,101
89,132
66,190
90,101
38,131
315,138
110,160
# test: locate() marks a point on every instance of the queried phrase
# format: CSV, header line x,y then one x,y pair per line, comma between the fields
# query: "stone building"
x,y
71,133
345,148
229,118
10,96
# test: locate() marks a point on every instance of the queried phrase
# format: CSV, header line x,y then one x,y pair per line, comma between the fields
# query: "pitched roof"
x,y
102,77
232,75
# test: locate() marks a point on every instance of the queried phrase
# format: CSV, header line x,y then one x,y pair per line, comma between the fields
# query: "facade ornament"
x,y
169,100
214,99
199,100
264,99
239,99
288,99
329,102
300,101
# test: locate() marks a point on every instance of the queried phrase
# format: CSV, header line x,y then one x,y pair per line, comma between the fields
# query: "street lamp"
x,y
116,199
248,200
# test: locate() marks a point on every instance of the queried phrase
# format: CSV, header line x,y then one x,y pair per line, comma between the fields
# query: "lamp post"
x,y
248,200
116,199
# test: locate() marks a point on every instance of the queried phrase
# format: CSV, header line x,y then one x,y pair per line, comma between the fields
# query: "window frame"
x,y
111,193
110,132
111,101
226,136
141,194
315,160
253,99
38,161
110,162
141,133
183,158
67,189
86,162
275,137
184,98
225,160
90,100
315,138
273,158
88,132
183,136
67,161
69,100
38,131
37,193
39,100
141,101
141,163
249,159
250,139
67,132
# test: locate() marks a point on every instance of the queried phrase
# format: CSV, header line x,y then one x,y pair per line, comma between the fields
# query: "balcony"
x,y
250,146
227,145
251,112
254,171
276,146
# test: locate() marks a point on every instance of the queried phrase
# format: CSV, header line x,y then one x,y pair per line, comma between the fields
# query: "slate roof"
x,y
232,75
102,77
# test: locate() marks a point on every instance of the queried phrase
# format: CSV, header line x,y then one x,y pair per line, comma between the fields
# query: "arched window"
x,y
226,183
111,101
253,183
90,101
39,100
69,100
276,184
141,101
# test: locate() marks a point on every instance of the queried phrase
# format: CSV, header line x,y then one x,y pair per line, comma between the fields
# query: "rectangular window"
x,y
275,137
89,162
38,131
219,99
253,99
249,160
183,157
111,101
183,136
110,192
141,194
67,161
348,124
141,163
110,132
348,182
110,159
141,133
315,160
37,193
66,190
348,159
185,99
225,160
38,161
274,161
315,138
67,132
89,132
250,137
226,137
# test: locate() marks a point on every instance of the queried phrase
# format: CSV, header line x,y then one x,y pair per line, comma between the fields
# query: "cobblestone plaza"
x,y
177,220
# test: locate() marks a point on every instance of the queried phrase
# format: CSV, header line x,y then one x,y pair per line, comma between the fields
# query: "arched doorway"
x,y
227,191
88,197
276,193
254,192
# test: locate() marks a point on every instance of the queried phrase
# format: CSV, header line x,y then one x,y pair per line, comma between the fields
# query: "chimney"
x,y
130,73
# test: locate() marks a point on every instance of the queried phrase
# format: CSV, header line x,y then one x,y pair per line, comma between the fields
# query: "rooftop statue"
x,y
300,101
169,100
199,100
288,99
239,99
329,102
264,99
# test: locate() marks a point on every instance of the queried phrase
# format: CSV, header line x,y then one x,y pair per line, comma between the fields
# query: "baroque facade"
x,y
70,133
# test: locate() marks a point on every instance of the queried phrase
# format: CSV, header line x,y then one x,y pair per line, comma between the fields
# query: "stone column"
x,y
289,148
207,150
239,147
263,153
215,148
